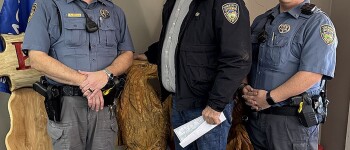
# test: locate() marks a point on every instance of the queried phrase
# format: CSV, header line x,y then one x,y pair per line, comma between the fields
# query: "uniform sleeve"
x,y
232,29
319,52
125,44
37,34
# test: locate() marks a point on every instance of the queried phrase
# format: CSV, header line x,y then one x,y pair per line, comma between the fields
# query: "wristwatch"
x,y
269,99
109,74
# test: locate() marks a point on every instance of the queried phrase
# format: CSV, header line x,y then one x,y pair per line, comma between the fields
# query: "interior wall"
x,y
144,20
335,130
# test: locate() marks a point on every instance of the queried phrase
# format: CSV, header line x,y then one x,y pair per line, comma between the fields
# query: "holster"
x,y
113,90
52,98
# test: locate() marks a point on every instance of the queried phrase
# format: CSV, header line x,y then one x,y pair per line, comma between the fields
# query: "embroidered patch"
x,y
34,6
284,28
74,15
327,34
231,12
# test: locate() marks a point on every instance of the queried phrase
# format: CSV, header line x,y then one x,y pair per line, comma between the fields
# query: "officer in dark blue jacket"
x,y
202,55
294,47
76,43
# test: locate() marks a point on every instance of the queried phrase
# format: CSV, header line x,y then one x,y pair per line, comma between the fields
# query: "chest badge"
x,y
104,13
284,28
231,12
327,34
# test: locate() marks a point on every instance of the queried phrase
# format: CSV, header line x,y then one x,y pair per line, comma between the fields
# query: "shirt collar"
x,y
295,12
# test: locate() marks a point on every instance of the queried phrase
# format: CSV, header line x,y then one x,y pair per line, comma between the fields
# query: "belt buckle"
x,y
68,90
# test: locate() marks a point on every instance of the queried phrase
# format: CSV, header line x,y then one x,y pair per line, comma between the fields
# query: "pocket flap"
x,y
76,24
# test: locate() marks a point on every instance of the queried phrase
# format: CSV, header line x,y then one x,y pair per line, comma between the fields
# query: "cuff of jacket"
x,y
217,107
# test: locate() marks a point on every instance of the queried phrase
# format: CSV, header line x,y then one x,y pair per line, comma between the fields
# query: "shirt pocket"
x,y
76,34
276,51
108,34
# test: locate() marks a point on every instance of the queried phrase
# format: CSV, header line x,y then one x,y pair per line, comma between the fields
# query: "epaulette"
x,y
308,9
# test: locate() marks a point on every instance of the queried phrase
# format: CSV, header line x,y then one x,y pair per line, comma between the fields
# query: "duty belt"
x,y
68,90
284,111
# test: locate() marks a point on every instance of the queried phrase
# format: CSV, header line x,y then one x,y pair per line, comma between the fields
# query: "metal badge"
x,y
284,28
104,13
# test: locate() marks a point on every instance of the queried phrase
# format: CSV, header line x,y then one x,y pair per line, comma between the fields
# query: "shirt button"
x,y
93,59
178,9
174,23
166,66
169,37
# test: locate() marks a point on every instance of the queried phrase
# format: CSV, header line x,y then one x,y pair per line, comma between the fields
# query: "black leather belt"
x,y
284,111
68,90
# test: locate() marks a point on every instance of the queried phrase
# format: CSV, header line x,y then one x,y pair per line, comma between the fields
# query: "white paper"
x,y
194,129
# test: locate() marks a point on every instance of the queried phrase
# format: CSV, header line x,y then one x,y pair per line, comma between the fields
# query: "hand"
x,y
248,90
93,83
140,57
259,98
211,116
96,102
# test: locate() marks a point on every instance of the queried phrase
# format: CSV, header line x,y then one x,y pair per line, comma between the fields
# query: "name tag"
x,y
74,15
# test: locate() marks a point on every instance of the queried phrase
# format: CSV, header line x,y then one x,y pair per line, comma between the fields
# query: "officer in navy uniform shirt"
x,y
68,55
296,52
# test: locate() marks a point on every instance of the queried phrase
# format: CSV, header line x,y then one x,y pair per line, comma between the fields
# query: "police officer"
x,y
202,55
294,47
76,43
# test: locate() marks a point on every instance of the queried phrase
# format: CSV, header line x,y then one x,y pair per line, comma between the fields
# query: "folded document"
x,y
194,129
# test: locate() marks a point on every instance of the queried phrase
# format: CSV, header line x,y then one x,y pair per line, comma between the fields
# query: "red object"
x,y
320,147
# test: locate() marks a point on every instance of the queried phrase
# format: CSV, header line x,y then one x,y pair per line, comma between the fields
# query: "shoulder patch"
x,y
231,12
34,6
327,34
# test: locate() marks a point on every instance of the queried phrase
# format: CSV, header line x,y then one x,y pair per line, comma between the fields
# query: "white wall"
x,y
144,19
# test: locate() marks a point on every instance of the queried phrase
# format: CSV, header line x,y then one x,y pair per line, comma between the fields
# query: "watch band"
x,y
109,74
269,99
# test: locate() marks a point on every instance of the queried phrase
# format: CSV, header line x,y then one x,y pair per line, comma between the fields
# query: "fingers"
x,y
97,103
246,89
101,100
211,116
248,97
93,105
84,72
93,94
252,93
90,102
